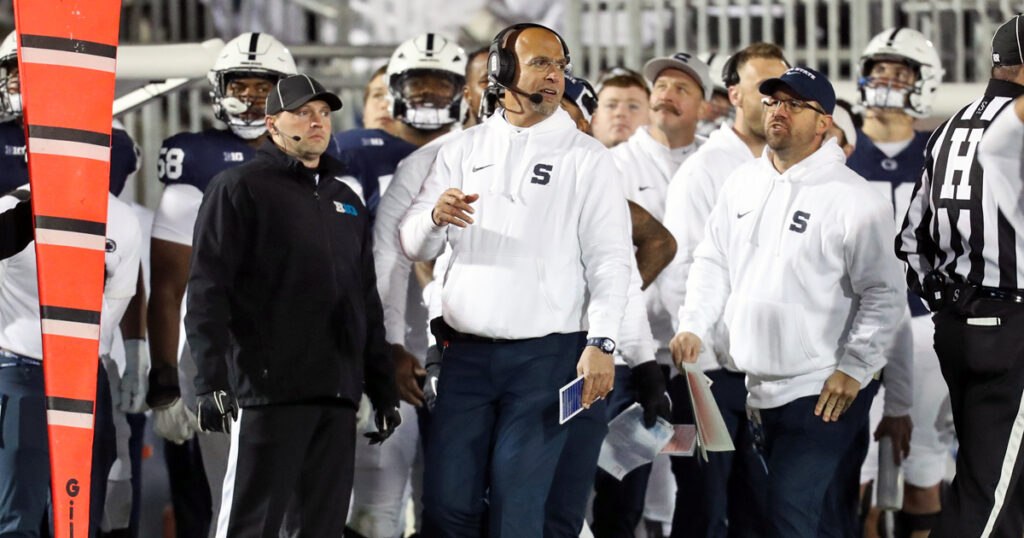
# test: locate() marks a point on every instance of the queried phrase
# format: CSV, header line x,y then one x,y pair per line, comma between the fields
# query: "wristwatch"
x,y
607,345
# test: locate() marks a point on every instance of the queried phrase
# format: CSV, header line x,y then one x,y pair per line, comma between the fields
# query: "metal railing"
x,y
828,35
825,34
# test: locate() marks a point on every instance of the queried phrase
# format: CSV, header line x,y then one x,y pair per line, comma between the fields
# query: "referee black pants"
x,y
277,451
981,352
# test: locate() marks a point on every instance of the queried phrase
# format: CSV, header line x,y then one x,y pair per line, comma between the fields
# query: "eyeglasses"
x,y
543,65
794,105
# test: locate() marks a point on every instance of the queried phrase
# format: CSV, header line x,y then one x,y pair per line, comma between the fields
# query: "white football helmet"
x,y
910,47
427,54
250,55
10,103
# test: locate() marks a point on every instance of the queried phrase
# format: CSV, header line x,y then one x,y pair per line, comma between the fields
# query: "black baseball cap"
x,y
1006,43
807,83
294,91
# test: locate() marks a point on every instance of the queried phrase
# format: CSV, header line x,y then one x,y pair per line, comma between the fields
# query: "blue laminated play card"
x,y
570,400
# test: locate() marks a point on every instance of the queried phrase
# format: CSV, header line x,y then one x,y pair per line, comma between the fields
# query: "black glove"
x,y
650,389
387,421
433,375
215,411
163,386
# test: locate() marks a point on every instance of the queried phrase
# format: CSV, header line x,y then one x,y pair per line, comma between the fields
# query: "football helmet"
x,y
909,47
418,76
250,55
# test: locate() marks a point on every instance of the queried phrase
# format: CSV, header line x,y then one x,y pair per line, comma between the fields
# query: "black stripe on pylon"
x,y
76,315
71,225
71,405
79,46
68,134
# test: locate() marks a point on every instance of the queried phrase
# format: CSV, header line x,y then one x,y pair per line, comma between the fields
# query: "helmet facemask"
x,y
426,99
240,103
894,93
10,89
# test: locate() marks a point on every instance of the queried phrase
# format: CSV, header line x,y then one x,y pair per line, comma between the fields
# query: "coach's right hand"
x,y
685,347
598,371
453,208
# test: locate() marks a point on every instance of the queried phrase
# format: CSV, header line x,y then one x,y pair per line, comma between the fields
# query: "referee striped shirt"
x,y
954,223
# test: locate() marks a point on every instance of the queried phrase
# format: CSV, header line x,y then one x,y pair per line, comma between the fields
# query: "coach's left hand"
x,y
598,371
836,397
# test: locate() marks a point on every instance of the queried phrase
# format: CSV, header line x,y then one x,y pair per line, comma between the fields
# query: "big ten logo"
x,y
345,208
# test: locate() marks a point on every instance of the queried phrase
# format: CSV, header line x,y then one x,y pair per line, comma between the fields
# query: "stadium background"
x,y
342,41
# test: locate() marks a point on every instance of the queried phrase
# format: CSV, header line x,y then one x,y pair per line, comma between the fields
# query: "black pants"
x,y
983,364
278,451
190,494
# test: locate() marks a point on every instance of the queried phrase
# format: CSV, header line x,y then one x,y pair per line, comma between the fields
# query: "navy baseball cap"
x,y
807,83
294,91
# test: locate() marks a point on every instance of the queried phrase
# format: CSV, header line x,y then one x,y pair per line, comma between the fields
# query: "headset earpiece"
x,y
501,58
730,76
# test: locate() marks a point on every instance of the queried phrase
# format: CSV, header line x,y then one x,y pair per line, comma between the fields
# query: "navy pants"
x,y
495,435
574,477
718,498
619,505
802,453
25,505
841,513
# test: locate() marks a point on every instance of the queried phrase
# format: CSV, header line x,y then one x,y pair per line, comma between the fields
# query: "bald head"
x,y
541,68
539,41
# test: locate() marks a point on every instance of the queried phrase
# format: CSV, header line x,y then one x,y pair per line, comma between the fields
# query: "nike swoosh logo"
x,y
479,168
741,215
645,187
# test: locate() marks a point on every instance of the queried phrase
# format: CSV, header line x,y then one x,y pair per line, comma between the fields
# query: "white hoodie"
x,y
392,267
549,250
688,203
800,268
647,167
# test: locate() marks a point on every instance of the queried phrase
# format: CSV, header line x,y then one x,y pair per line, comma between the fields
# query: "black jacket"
x,y
16,227
282,295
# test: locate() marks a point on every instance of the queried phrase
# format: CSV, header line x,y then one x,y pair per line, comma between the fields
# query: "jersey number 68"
x,y
169,164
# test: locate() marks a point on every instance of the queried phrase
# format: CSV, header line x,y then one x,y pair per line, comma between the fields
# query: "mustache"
x,y
665,105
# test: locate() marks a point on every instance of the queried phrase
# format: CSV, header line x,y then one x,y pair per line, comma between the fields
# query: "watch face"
x,y
607,345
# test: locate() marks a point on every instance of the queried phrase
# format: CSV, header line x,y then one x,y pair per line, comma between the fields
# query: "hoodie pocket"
x,y
769,339
495,295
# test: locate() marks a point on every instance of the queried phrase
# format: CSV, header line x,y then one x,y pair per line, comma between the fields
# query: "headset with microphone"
x,y
502,62
279,131
293,137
